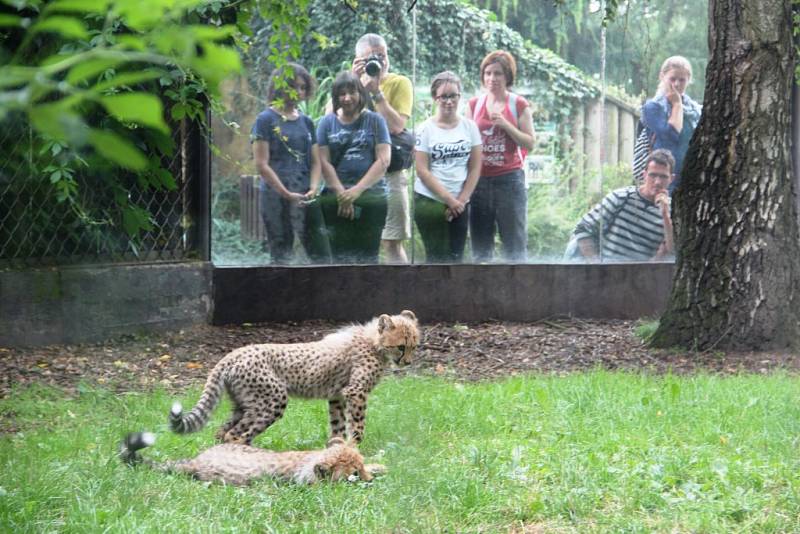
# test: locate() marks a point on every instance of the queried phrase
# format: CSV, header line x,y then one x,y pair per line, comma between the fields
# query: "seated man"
x,y
632,223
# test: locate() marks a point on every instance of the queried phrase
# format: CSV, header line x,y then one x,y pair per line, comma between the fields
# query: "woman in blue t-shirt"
x,y
354,152
287,159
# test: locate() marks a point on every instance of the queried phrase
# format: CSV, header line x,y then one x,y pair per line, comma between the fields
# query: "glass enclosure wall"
x,y
522,156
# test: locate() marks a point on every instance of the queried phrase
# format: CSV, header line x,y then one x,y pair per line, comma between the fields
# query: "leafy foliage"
x,y
91,92
450,35
640,34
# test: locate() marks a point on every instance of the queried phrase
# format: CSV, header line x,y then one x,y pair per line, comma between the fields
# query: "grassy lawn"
x,y
595,452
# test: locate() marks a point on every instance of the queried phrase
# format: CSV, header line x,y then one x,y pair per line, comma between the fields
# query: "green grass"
x,y
594,452
645,328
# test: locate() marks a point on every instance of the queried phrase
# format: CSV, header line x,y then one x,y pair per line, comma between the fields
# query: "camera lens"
x,y
373,67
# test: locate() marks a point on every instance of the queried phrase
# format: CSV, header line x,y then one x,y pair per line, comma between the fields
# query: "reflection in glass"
x,y
632,223
583,138
287,160
354,152
499,203
448,163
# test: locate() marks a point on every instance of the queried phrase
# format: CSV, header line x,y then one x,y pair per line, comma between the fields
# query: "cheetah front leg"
x,y
336,415
356,413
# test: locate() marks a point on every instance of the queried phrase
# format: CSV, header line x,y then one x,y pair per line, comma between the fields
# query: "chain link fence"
x,y
48,220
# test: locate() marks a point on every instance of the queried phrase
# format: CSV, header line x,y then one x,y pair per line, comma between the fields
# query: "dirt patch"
x,y
463,351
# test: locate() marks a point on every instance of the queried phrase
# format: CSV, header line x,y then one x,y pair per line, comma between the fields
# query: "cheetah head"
x,y
340,462
399,336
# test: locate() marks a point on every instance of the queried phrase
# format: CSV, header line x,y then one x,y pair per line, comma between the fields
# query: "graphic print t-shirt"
x,y
352,146
448,152
290,145
501,154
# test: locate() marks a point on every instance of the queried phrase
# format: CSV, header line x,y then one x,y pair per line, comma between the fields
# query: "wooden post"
x,y
578,147
627,132
612,133
593,142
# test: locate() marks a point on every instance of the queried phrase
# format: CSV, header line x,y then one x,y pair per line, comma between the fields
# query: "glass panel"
x,y
574,180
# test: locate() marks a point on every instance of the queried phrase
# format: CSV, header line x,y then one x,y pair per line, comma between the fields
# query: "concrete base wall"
x,y
441,292
79,304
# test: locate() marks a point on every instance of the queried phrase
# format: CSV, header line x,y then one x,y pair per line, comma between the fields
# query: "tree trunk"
x,y
737,279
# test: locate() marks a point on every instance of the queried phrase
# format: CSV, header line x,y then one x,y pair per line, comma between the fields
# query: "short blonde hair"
x,y
673,62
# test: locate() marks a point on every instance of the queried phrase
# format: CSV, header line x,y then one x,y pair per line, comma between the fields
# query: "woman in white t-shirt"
x,y
448,161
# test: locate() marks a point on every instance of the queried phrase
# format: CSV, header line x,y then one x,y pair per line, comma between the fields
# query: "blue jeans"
x,y
500,202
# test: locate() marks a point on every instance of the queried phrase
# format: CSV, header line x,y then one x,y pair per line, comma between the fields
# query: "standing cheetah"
x,y
343,367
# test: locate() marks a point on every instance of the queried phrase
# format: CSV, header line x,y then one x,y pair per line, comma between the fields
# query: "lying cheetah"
x,y
343,367
238,465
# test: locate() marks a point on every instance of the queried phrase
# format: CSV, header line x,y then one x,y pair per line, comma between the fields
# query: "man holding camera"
x,y
392,96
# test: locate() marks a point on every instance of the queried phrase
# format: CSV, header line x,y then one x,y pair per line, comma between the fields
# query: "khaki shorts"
x,y
398,213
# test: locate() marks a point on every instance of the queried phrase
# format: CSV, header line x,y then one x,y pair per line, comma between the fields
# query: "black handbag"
x,y
402,151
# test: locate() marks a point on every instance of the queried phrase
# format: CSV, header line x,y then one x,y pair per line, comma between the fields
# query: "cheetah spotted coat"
x,y
343,367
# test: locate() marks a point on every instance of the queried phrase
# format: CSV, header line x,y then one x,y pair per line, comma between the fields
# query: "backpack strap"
x,y
479,105
512,103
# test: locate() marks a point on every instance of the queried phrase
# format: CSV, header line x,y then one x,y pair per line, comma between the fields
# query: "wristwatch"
x,y
377,97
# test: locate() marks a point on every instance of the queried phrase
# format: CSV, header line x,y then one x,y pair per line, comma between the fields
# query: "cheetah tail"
x,y
133,442
197,417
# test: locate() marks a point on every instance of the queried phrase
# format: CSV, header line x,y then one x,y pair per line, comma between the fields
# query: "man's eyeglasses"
x,y
452,97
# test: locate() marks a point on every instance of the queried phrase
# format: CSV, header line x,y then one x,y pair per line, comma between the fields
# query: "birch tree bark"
x,y
737,280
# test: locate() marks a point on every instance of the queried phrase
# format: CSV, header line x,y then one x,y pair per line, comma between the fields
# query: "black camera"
x,y
374,65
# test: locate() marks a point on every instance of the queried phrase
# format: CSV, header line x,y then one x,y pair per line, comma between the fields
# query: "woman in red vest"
x,y
506,125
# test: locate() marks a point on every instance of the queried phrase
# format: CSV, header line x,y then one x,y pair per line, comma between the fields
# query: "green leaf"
x,y
117,149
178,111
89,69
132,42
166,179
127,78
68,27
10,21
212,33
12,75
56,120
135,219
216,63
139,108
79,6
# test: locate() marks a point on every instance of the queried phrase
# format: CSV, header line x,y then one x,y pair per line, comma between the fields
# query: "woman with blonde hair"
x,y
671,116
